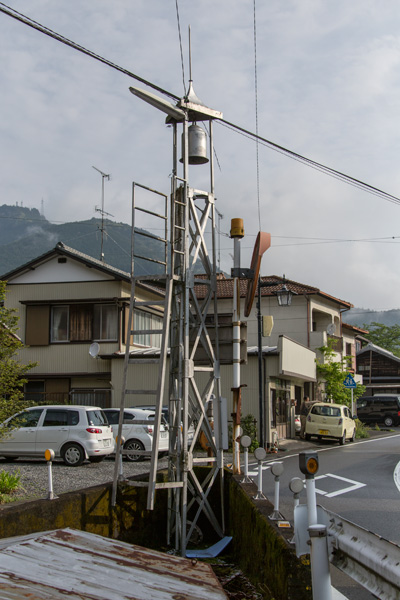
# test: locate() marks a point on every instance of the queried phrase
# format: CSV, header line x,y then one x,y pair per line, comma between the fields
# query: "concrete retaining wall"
x,y
260,548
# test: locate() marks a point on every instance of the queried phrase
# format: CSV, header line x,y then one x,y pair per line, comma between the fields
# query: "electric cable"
x,y
272,145
11,12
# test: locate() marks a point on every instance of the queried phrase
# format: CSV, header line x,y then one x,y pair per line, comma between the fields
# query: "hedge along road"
x,y
34,482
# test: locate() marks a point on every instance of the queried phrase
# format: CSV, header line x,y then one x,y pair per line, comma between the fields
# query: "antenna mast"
x,y
101,211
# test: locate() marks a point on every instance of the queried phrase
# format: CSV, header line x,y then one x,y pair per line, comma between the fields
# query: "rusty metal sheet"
x,y
66,562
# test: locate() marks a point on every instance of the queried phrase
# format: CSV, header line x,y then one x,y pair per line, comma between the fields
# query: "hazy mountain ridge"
x,y
361,316
25,234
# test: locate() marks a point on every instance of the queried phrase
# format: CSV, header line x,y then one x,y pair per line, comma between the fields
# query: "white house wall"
x,y
296,360
53,271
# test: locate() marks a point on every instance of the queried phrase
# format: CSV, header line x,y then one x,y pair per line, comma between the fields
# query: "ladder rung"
x,y
178,252
153,260
179,227
143,331
143,361
149,302
151,277
149,392
169,484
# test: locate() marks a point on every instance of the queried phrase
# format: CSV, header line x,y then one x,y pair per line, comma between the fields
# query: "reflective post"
x,y
276,470
49,456
245,441
259,454
296,486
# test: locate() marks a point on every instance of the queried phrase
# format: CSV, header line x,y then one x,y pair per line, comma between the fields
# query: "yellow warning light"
x,y
312,465
49,454
309,463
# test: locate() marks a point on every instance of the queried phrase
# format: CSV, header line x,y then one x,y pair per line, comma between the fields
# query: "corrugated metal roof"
x,y
66,562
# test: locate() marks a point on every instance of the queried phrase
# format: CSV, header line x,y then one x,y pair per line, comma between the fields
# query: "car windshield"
x,y
96,417
326,411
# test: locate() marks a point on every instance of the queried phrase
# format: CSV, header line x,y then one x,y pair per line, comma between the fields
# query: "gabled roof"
x,y
63,250
354,328
372,348
225,288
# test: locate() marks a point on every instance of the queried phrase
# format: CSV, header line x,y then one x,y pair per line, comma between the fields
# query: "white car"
x,y
165,415
331,421
137,430
75,433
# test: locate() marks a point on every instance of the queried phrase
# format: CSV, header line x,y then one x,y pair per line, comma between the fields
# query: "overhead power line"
x,y
11,12
264,141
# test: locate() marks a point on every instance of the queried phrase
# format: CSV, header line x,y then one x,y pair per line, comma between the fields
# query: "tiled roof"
x,y
225,288
354,328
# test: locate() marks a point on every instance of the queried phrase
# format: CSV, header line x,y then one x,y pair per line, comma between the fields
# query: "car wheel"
x,y
342,440
73,455
388,421
132,445
96,459
308,437
353,437
10,458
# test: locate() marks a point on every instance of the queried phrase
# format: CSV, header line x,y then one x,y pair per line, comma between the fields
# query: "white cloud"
x,y
328,88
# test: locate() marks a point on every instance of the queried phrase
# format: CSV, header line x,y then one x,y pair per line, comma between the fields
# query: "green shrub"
x,y
249,426
361,430
9,481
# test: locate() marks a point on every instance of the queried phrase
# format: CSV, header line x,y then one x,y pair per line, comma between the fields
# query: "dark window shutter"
x,y
37,325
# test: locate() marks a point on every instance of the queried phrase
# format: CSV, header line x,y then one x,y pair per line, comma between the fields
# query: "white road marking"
x,y
350,488
396,476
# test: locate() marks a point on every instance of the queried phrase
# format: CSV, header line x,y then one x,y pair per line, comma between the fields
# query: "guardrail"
x,y
368,558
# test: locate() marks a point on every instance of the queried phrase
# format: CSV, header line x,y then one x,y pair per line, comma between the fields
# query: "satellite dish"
x,y
331,329
94,349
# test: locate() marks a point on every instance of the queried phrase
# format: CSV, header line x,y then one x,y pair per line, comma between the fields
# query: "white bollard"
x,y
245,441
259,454
49,456
276,470
296,486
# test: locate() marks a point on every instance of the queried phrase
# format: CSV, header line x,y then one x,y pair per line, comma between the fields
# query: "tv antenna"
x,y
101,210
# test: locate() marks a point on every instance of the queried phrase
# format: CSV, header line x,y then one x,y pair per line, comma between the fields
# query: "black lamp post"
x,y
284,297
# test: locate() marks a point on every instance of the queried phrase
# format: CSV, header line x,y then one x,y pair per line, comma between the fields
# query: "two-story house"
x,y
72,316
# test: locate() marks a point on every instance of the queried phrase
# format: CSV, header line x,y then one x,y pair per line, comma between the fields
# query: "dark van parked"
x,y
379,409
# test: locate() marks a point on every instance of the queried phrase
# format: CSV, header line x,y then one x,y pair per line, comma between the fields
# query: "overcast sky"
x,y
328,79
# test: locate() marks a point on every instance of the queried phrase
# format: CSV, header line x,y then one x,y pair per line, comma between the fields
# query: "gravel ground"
x,y
34,481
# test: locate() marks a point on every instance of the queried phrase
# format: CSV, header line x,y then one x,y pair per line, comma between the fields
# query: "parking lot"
x,y
34,475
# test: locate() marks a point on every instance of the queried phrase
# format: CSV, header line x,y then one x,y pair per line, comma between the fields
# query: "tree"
x,y
385,336
332,373
12,372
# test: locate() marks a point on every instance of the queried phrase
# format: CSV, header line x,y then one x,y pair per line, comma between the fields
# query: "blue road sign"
x,y
349,382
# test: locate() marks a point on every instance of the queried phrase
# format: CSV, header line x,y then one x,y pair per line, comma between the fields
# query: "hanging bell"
x,y
197,139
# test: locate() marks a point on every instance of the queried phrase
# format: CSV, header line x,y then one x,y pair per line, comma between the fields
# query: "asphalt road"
x,y
355,481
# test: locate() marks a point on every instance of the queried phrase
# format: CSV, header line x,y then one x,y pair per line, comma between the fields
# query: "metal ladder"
x,y
164,282
185,330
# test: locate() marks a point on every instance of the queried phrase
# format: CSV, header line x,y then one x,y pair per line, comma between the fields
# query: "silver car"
x,y
137,430
75,433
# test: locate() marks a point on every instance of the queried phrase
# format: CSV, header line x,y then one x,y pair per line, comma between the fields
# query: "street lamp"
x,y
284,295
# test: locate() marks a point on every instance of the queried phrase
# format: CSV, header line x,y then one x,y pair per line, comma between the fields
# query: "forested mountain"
x,y
26,234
